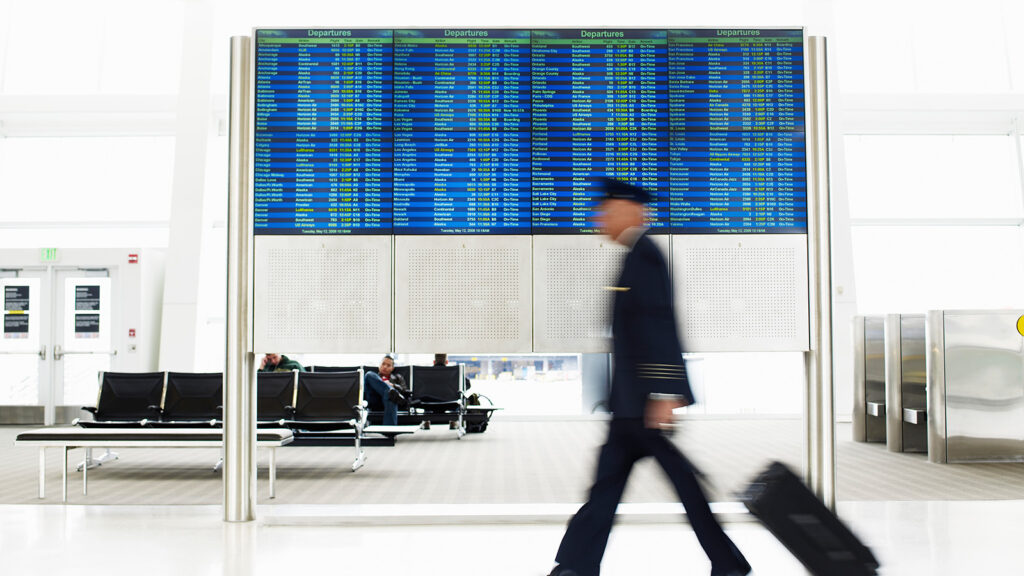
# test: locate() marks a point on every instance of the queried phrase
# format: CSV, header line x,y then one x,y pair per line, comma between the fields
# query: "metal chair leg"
x,y
90,462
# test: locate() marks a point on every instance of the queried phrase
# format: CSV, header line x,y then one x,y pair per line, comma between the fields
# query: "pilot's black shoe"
x,y
743,570
560,571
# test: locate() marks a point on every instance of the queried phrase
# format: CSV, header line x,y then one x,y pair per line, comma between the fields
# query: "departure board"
x,y
737,119
600,107
322,148
504,131
462,131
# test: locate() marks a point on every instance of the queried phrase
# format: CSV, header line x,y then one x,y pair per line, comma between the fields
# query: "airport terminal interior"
x,y
189,186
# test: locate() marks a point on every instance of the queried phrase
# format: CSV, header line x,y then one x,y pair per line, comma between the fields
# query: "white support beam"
x,y
931,113
87,115
181,286
937,222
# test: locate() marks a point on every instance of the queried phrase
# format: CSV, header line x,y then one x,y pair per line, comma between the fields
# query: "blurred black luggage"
x,y
790,511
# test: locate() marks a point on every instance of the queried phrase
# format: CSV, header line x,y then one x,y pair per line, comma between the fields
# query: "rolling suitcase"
x,y
791,512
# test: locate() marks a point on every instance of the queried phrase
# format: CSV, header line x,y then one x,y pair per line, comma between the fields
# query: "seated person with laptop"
x,y
386,388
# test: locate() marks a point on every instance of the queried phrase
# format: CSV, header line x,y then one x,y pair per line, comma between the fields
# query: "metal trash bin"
x,y
975,385
869,379
906,383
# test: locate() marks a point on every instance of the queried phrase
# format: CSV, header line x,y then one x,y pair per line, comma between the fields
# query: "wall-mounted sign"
x,y
49,255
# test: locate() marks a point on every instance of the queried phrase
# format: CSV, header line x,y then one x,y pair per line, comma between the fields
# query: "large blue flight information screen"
x,y
462,131
600,107
503,131
737,120
322,147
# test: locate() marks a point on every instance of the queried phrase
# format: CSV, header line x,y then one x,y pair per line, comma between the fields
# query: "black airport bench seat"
x,y
156,399
438,396
321,409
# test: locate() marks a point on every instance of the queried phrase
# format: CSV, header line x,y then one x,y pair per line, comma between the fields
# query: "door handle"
x,y
42,353
58,352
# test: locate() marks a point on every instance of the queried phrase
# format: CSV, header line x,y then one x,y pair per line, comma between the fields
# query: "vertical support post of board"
x,y
239,396
820,457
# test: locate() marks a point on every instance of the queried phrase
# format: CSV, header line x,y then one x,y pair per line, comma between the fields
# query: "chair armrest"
x,y
90,409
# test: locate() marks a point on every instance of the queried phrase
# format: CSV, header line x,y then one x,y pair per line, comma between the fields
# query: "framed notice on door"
x,y
21,314
87,315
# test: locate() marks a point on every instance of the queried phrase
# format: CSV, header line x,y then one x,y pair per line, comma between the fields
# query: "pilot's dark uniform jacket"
x,y
647,352
648,365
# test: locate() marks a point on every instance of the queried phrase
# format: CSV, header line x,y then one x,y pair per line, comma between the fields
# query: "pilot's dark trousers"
x,y
628,440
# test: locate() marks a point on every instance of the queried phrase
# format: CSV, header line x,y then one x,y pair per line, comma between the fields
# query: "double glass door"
x,y
56,337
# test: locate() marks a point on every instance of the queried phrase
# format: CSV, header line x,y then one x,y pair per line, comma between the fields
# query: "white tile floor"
x,y
927,538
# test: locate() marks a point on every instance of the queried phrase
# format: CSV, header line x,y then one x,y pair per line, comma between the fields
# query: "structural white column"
x,y
1018,134
194,115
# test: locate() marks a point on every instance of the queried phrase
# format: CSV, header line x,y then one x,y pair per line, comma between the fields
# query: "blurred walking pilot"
x,y
648,383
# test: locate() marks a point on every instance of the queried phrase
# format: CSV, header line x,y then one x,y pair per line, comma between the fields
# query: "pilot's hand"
x,y
658,413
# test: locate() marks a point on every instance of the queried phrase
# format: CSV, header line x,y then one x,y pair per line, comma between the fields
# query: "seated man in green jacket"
x,y
279,363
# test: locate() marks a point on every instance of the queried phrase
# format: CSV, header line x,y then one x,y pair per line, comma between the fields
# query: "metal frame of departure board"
x,y
720,149
239,422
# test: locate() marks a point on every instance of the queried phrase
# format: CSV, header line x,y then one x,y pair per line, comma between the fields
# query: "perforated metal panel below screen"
x,y
571,291
741,293
323,295
462,294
